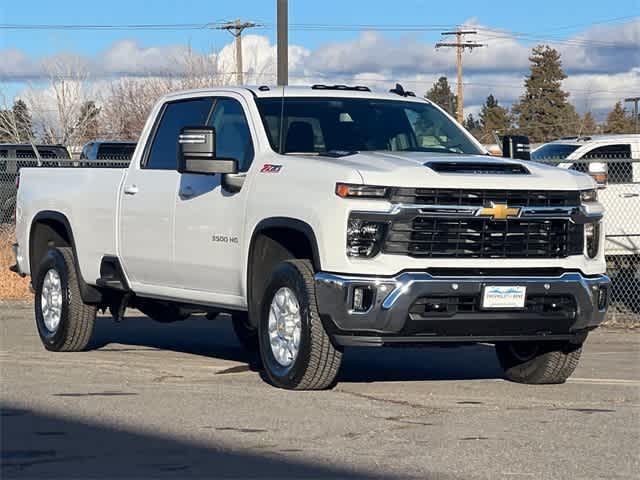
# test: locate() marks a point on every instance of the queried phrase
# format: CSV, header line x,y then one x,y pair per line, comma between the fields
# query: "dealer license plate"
x,y
503,297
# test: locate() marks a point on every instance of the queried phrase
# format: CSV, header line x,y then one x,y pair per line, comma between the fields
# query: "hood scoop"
x,y
478,168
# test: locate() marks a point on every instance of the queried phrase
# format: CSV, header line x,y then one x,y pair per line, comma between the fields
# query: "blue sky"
x,y
598,41
543,17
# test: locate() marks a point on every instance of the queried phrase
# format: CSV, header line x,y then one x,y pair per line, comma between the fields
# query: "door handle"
x,y
187,191
629,195
130,189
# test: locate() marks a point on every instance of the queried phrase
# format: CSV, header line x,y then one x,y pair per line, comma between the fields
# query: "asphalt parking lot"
x,y
184,400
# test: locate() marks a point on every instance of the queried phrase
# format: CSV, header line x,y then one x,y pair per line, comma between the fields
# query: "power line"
x,y
168,26
236,28
460,46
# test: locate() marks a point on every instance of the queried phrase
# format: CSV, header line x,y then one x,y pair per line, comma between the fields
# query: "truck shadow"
x,y
195,335
216,339
38,444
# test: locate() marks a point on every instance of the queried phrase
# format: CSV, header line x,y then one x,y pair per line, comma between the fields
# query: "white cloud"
x,y
598,74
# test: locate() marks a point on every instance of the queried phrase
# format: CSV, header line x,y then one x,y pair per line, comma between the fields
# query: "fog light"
x,y
603,298
592,238
362,299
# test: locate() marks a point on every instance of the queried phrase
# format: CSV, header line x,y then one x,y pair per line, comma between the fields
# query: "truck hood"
x,y
431,170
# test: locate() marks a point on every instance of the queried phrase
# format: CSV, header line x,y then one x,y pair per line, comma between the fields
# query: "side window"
x,y
163,154
616,157
233,137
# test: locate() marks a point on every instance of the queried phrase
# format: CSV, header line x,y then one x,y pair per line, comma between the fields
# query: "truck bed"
x,y
88,197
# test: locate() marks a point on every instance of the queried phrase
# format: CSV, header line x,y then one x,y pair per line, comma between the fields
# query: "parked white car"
x,y
320,217
614,161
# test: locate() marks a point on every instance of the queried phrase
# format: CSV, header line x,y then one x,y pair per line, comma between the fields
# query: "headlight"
x,y
587,196
364,238
592,238
346,190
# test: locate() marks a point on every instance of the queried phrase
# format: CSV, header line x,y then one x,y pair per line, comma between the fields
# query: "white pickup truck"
x,y
612,160
320,218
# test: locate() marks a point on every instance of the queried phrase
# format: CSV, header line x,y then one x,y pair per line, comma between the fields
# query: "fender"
x,y
89,293
293,224
278,222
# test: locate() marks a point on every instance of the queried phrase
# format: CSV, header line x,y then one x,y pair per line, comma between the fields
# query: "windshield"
x,y
553,151
345,125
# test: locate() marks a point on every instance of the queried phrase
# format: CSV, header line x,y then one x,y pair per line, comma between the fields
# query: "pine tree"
x,y
22,118
473,126
589,125
494,118
617,120
543,112
442,95
87,124
15,123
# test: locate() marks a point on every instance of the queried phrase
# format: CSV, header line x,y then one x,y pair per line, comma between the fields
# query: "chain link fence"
x,y
618,175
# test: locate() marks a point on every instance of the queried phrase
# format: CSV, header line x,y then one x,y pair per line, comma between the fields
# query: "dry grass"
x,y
12,287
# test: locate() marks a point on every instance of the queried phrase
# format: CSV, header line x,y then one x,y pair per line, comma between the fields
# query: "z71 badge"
x,y
270,168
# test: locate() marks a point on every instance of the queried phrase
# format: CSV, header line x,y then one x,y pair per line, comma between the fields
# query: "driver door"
x,y
209,218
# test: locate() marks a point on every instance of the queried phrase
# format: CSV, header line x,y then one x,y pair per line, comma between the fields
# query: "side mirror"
x,y
197,153
516,146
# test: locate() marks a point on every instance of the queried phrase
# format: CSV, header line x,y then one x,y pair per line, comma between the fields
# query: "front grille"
x,y
438,237
481,198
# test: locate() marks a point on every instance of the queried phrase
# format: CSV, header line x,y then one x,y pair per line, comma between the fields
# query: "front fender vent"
x,y
478,168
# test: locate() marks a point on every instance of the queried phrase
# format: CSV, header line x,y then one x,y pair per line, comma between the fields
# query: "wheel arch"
x,y
49,228
275,239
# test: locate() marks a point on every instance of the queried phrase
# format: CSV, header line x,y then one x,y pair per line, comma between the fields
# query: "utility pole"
x,y
236,28
283,42
460,44
635,101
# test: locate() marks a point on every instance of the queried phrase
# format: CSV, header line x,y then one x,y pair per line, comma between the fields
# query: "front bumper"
x,y
562,307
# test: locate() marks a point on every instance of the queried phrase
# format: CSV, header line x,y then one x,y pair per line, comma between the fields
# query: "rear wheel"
x,y
65,323
296,351
538,362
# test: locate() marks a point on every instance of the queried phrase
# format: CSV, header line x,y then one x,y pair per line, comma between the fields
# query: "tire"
x,y
316,365
538,362
73,331
246,334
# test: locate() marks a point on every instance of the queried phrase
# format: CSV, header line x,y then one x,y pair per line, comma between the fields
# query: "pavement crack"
x,y
402,403
95,394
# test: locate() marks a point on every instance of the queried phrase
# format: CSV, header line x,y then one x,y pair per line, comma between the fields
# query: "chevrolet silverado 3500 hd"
x,y
320,218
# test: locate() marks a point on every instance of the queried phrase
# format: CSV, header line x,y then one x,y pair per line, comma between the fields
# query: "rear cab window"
x,y
554,151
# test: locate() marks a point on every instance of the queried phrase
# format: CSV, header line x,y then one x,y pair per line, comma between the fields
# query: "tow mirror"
x,y
516,146
197,153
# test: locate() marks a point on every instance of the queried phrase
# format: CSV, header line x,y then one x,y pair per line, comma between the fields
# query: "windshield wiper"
x,y
326,153
442,149
338,153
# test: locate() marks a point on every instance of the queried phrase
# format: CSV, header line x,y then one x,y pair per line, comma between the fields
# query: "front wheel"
x,y
65,323
544,362
296,351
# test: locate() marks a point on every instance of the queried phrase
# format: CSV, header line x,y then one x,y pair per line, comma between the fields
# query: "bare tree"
x,y
58,109
126,102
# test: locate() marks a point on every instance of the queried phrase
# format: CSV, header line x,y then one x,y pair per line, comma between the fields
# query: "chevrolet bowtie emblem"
x,y
499,211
